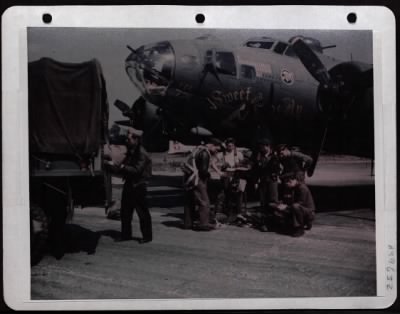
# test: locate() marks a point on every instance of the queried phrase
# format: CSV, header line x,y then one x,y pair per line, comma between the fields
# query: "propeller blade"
x,y
311,61
134,112
139,105
125,110
123,107
137,113
131,49
319,146
124,122
209,67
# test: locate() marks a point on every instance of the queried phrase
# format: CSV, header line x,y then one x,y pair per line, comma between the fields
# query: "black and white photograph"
x,y
210,163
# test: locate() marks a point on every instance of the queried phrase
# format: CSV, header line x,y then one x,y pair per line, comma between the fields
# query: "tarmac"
x,y
336,258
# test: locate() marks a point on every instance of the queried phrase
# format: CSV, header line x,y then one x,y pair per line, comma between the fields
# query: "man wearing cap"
x,y
136,170
265,166
297,209
293,161
196,176
234,184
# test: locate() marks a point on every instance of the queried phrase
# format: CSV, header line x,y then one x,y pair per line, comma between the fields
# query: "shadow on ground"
x,y
79,239
253,220
70,238
115,235
173,223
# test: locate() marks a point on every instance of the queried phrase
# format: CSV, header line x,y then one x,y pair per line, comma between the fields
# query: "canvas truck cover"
x,y
68,108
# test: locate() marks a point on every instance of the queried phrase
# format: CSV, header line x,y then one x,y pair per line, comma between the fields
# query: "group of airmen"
x,y
220,172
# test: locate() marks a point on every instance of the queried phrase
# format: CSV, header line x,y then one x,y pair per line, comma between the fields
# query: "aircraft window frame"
x,y
290,52
262,44
251,68
228,66
160,58
280,44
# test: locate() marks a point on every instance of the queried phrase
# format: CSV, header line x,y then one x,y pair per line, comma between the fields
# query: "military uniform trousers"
x,y
197,196
294,216
300,215
134,197
268,190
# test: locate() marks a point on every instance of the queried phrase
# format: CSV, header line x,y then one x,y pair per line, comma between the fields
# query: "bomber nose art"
x,y
151,69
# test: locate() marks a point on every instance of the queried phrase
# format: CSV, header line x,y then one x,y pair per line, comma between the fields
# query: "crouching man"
x,y
296,212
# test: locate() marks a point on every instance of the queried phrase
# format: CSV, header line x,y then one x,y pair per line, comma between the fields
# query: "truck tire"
x,y
39,233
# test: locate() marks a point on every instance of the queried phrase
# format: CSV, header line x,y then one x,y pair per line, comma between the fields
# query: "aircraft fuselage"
x,y
203,84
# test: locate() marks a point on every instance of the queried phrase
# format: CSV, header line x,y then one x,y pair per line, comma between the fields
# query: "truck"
x,y
68,127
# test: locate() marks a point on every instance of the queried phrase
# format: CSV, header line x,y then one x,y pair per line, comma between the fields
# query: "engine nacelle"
x,y
349,82
348,107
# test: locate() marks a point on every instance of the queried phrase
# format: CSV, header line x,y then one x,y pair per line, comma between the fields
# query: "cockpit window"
x,y
280,47
260,44
151,68
225,63
160,59
290,52
247,71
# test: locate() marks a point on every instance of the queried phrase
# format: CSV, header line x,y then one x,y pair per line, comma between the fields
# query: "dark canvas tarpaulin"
x,y
68,109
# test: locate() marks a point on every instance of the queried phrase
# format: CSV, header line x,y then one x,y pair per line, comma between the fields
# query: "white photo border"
x,y
16,246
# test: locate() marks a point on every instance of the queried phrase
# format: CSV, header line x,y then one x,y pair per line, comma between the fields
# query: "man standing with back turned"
x,y
196,176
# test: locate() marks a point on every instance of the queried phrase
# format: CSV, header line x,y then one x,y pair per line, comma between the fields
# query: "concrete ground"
x,y
335,258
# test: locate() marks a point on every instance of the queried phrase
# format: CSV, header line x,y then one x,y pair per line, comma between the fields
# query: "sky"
x,y
108,46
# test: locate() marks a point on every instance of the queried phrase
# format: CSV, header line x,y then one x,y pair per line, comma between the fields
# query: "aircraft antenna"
x,y
131,49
